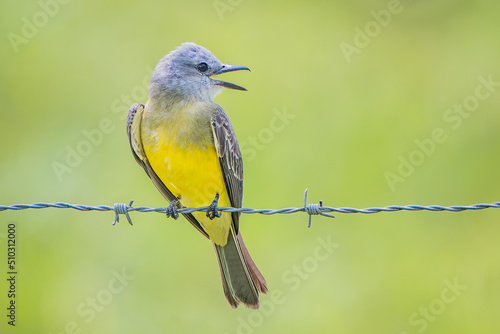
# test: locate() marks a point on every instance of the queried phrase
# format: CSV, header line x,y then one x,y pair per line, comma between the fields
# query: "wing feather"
x,y
230,159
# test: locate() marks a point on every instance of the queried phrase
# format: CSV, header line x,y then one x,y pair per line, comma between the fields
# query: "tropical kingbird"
x,y
187,146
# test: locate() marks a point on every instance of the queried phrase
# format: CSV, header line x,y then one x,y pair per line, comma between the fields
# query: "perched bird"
x,y
187,146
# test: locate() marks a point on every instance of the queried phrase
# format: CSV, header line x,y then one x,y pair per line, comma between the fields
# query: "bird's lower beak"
x,y
229,68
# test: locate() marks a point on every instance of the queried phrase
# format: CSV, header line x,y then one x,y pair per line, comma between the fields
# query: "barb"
x,y
311,209
314,209
121,208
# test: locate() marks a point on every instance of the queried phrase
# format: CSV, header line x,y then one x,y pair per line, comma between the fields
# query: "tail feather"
x,y
258,279
241,280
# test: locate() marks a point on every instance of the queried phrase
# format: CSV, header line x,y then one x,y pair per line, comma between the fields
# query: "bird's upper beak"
x,y
229,68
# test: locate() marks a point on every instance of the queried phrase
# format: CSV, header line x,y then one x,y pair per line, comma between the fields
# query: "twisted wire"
x,y
310,209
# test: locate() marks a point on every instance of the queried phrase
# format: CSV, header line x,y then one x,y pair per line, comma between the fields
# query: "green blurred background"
x,y
351,120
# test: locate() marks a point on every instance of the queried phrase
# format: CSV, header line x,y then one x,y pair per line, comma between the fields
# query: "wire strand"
x,y
311,209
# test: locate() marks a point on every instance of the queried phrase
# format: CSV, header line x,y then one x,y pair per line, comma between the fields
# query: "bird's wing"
x,y
230,159
135,115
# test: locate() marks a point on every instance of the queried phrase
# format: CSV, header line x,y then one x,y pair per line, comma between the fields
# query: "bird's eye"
x,y
202,67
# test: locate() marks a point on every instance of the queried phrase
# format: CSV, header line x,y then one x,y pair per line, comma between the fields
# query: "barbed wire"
x,y
310,209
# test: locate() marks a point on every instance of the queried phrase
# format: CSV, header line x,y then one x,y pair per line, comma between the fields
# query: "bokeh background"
x,y
331,107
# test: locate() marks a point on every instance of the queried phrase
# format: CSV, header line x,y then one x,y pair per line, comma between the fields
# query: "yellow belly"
x,y
193,174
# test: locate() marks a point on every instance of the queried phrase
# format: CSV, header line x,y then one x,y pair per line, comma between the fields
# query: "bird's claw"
x,y
172,210
213,210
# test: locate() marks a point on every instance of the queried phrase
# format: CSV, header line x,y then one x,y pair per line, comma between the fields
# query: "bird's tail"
x,y
241,280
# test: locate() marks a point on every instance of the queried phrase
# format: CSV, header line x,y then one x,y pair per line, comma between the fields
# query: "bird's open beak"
x,y
229,68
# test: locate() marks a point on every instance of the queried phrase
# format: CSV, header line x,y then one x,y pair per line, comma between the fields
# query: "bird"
x,y
187,146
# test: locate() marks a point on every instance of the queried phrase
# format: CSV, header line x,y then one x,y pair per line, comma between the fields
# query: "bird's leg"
x,y
172,209
213,210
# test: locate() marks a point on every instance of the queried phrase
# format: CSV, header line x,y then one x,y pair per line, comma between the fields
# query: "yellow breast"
x,y
181,151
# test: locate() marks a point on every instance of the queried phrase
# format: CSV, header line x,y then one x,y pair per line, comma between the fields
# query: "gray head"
x,y
185,73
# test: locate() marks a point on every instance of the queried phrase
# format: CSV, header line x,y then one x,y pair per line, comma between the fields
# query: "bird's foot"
x,y
213,210
172,210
